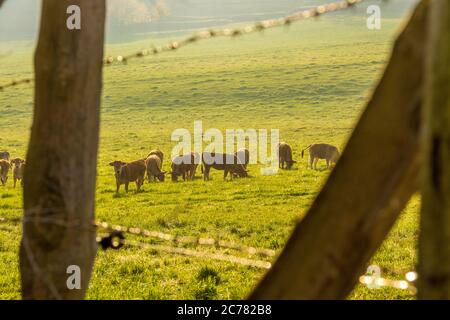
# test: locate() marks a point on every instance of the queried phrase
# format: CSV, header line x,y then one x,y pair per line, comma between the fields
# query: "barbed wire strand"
x,y
238,31
116,241
186,239
202,254
226,32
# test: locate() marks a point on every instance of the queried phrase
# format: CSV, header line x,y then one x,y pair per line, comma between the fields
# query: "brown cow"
x,y
157,152
4,155
18,170
185,166
285,155
4,168
243,156
322,151
229,163
129,172
153,165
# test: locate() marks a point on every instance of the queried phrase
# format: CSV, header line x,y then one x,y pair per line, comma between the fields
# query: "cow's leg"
x,y
311,160
328,163
117,187
206,173
126,186
15,180
315,163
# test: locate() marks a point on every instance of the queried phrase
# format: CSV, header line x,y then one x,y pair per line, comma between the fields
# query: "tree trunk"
x,y
60,174
366,191
434,243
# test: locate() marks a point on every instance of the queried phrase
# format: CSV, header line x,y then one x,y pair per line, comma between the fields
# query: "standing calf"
x,y
322,151
229,163
18,170
4,168
285,155
185,166
158,153
153,165
129,172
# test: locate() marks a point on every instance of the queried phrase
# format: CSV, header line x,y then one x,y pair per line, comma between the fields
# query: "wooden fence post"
x,y
434,243
60,173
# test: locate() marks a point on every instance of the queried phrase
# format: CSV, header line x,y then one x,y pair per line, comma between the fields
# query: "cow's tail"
x,y
201,167
303,151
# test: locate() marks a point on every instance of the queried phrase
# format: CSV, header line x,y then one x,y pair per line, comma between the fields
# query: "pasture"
x,y
310,81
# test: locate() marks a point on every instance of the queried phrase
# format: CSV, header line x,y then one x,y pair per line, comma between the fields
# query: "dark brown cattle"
x,y
4,169
229,163
18,170
153,165
322,151
285,155
159,153
129,172
4,155
185,166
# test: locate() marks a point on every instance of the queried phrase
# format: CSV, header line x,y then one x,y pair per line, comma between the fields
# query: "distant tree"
x,y
62,154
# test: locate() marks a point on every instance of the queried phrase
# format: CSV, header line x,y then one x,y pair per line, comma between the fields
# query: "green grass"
x,y
310,81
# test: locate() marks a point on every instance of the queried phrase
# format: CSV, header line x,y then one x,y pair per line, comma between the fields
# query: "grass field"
x,y
310,81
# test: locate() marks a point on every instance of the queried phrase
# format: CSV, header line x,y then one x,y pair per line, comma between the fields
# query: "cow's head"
x,y
17,162
161,176
290,163
117,167
335,156
239,171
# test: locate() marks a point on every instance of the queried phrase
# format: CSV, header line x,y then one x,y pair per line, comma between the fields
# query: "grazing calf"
x,y
243,156
158,153
153,165
322,151
18,170
4,168
227,162
129,172
4,155
285,155
185,166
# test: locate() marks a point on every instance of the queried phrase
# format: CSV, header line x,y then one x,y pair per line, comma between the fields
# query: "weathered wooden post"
x,y
434,243
62,155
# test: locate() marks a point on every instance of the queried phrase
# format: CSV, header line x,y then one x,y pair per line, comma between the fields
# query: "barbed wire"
x,y
237,31
186,239
225,32
115,239
375,282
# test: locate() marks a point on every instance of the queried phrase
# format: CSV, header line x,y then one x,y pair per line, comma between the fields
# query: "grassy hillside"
x,y
310,81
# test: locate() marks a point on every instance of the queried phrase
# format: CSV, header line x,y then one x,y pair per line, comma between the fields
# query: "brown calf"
x,y
322,151
185,166
18,170
229,163
153,165
285,155
129,172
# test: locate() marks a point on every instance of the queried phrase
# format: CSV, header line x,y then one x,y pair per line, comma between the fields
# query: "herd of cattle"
x,y
185,166
233,165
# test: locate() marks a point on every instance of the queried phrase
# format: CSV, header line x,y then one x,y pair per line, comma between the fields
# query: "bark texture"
x,y
60,175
